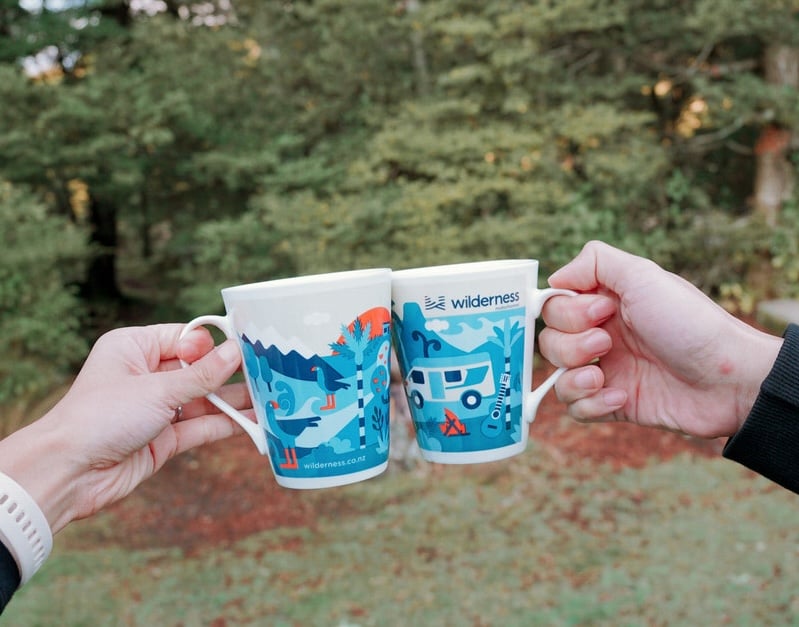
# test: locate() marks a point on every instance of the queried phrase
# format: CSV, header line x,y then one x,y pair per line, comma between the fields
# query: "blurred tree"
x,y
747,77
774,181
42,258
131,125
501,130
325,76
546,124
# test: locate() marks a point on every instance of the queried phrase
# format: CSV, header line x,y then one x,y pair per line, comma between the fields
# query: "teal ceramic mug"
x,y
315,353
464,337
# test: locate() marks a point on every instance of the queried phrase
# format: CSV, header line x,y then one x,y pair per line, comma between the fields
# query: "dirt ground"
x,y
224,492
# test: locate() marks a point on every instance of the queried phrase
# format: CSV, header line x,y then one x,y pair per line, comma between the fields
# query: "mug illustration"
x,y
324,415
462,375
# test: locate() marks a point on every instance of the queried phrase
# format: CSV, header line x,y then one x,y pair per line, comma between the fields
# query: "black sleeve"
x,y
9,577
768,441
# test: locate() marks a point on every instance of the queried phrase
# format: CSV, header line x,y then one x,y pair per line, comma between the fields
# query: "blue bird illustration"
x,y
330,384
287,431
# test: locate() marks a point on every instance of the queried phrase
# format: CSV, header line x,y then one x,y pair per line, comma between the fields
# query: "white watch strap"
x,y
24,530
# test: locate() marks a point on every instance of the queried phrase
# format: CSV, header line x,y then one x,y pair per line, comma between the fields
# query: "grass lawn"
x,y
527,541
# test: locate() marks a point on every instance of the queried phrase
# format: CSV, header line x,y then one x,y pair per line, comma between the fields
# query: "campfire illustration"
x,y
452,425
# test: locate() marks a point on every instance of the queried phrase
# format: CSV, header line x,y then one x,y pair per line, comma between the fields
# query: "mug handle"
x,y
254,430
534,397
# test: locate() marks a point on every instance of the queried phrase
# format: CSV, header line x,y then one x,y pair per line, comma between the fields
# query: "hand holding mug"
x,y
669,357
130,409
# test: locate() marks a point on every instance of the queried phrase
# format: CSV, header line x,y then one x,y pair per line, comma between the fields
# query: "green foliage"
x,y
26,29
784,249
770,20
41,258
230,252
538,135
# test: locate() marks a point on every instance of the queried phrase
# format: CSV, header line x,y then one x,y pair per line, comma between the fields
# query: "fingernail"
x,y
601,310
597,343
586,379
614,398
228,350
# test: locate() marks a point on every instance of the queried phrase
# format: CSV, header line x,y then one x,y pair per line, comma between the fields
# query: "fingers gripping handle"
x,y
534,397
252,429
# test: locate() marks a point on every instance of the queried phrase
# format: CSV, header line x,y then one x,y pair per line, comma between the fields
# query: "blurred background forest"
x,y
154,151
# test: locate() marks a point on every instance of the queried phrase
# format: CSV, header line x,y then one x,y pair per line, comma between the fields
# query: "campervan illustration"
x,y
466,379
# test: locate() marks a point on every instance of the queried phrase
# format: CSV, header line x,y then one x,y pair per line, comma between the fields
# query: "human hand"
x,y
668,356
118,424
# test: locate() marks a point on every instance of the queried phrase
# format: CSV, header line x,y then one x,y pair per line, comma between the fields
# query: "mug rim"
x,y
304,281
464,268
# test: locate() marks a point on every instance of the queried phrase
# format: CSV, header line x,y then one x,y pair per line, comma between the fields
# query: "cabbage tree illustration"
x,y
505,338
355,344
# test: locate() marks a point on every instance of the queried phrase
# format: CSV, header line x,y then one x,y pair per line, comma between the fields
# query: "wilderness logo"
x,y
472,301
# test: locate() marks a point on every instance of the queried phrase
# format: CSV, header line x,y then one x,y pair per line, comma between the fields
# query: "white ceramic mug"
x,y
464,336
315,352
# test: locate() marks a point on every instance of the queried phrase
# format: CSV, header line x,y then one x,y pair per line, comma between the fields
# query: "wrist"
x,y
36,458
24,530
769,437
760,357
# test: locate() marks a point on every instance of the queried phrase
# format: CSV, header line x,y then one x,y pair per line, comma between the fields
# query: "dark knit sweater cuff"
x,y
768,441
9,576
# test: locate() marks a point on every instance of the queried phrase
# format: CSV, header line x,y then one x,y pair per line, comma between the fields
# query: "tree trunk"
x,y
101,281
774,176
417,46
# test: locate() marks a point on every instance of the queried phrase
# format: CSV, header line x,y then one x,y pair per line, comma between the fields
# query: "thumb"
x,y
209,373
598,265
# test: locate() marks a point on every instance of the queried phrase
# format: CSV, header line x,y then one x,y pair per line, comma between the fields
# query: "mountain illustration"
x,y
293,365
